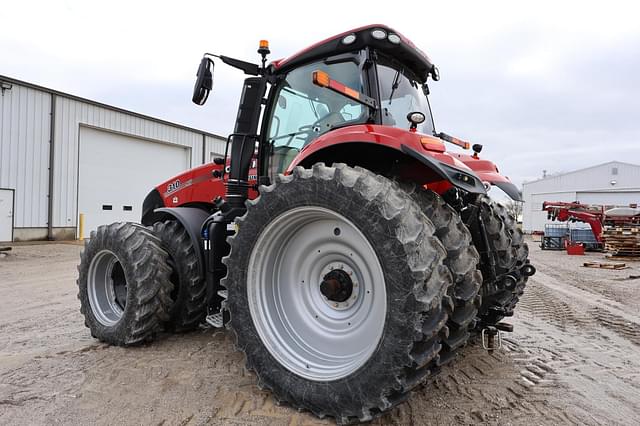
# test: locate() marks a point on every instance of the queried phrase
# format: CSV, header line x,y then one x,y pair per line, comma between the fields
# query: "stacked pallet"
x,y
622,241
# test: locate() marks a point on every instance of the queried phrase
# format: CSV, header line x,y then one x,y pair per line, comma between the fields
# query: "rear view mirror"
x,y
204,82
435,73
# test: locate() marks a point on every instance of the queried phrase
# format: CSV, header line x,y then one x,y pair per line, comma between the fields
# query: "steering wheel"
x,y
328,120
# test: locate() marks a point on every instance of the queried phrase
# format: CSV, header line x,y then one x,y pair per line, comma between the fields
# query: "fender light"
x,y
464,178
432,144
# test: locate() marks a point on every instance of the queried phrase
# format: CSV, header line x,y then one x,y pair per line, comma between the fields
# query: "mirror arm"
x,y
247,67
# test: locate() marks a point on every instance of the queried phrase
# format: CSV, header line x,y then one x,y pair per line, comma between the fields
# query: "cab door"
x,y
303,111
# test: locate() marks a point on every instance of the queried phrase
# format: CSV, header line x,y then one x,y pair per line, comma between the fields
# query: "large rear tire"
x,y
510,254
189,287
347,355
124,284
462,260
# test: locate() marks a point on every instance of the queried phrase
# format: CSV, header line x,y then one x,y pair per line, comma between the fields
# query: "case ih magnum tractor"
x,y
348,252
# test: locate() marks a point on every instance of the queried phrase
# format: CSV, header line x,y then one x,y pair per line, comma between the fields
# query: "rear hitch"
x,y
504,326
489,341
492,336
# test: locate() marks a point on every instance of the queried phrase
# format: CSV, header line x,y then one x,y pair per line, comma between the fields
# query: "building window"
x,y
614,171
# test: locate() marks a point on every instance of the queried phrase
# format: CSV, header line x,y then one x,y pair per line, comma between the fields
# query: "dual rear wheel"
x,y
341,292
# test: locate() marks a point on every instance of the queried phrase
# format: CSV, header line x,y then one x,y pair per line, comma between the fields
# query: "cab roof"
x,y
404,51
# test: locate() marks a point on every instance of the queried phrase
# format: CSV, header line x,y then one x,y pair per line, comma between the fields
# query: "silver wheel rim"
x,y
105,288
310,335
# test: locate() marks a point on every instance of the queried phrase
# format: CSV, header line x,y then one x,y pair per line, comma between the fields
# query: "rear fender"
x,y
390,152
191,219
458,177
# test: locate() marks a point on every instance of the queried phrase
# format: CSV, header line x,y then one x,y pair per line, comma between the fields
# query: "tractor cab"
x,y
371,75
303,109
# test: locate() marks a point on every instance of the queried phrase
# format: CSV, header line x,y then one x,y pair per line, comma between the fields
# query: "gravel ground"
x,y
574,357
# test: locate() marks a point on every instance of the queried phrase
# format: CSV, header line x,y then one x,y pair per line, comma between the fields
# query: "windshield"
x,y
304,111
401,94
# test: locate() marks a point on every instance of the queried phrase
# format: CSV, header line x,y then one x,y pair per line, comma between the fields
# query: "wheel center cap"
x,y
336,286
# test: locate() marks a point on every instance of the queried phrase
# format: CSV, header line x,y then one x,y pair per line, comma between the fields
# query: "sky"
x,y
544,85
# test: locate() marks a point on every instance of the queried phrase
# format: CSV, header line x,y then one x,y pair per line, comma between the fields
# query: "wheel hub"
x,y
338,288
316,293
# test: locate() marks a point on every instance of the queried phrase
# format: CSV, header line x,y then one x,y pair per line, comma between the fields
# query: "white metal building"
x,y
61,155
614,183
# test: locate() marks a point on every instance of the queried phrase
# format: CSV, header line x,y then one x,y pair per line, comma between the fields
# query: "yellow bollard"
x,y
81,227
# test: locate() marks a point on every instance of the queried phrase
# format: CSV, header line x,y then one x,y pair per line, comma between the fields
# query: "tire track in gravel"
x,y
592,348
626,329
580,297
514,385
572,359
592,310
544,306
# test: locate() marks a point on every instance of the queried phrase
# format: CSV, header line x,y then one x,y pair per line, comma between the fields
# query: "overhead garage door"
x,y
609,198
116,172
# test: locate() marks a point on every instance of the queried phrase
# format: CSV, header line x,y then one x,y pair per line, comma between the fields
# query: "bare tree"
x,y
515,209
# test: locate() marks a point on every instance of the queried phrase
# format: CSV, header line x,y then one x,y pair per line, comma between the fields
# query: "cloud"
x,y
545,85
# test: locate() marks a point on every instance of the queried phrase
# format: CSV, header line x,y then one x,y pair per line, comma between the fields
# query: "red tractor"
x,y
348,252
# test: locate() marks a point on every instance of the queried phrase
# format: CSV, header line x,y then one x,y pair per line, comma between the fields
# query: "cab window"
x,y
400,94
304,111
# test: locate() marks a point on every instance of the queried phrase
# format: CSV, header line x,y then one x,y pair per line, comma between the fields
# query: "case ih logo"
x,y
173,186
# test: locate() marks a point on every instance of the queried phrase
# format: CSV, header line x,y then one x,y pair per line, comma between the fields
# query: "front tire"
x,y
124,284
350,356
